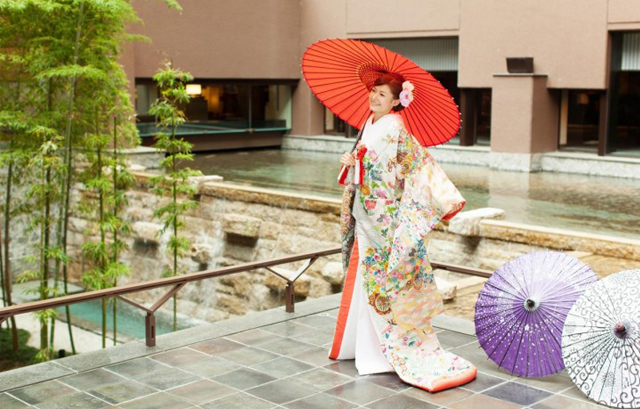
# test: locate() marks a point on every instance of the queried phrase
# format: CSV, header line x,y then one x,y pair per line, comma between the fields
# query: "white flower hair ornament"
x,y
406,96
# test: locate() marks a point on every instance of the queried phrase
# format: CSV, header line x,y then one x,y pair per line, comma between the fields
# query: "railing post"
x,y
150,326
289,297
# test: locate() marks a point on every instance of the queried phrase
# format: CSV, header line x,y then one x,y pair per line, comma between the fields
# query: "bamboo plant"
x,y
49,74
43,192
175,182
107,179
119,227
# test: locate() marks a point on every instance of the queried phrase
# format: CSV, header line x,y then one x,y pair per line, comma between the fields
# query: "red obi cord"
x,y
358,178
359,169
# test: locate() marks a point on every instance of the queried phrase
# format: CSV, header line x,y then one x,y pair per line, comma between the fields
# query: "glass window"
x,y
332,124
449,80
483,117
580,120
271,106
221,104
224,107
625,137
476,116
146,94
623,133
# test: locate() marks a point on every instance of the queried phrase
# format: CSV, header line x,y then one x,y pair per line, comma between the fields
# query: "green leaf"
x,y
73,71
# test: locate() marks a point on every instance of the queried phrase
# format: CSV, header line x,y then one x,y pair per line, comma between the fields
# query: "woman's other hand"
x,y
347,159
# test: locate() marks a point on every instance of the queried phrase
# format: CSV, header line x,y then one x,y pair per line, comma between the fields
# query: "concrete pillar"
x,y
308,112
524,121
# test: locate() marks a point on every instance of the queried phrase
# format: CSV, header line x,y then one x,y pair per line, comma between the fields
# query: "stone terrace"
x,y
269,359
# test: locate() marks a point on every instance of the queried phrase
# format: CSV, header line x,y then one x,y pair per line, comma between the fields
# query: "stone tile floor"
x,y
270,359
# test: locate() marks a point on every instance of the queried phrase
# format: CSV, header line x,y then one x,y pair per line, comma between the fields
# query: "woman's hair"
x,y
394,81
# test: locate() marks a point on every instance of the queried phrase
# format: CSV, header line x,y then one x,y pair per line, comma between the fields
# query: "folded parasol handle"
x,y
342,176
344,170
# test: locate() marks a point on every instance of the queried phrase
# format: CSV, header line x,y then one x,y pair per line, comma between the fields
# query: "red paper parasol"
x,y
341,73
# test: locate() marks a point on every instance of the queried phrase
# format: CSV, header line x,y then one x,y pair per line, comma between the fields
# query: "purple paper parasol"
x,y
601,341
521,311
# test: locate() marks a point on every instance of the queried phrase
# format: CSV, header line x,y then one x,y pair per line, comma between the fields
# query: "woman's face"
x,y
381,99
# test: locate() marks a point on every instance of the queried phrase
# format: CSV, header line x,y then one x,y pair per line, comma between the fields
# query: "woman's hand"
x,y
347,159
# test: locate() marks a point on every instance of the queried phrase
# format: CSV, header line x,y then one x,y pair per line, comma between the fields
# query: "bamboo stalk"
x,y
101,261
66,185
44,329
7,241
115,230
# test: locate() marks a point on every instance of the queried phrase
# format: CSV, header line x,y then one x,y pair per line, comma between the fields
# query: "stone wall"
x,y
236,224
232,225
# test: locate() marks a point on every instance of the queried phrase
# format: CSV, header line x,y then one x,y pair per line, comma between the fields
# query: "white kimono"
x,y
390,297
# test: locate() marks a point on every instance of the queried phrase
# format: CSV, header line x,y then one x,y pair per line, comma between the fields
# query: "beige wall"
x,y
407,18
266,39
127,59
322,20
511,105
523,115
624,14
568,40
545,117
221,39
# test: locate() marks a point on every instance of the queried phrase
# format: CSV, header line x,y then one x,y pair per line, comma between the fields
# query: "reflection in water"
x,y
593,204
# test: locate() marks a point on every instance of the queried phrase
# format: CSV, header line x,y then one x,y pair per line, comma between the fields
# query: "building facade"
x,y
581,95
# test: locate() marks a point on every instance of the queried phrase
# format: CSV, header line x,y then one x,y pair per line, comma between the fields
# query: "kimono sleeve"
x,y
427,197
424,183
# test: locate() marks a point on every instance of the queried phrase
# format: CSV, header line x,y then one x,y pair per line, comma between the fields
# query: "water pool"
x,y
593,204
88,315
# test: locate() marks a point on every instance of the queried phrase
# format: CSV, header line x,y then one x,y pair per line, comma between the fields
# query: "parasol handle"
x,y
531,305
620,330
344,169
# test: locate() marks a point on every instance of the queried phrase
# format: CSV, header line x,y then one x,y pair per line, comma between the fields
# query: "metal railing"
x,y
178,282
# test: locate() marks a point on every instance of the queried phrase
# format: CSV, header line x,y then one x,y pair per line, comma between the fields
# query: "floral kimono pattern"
x,y
404,195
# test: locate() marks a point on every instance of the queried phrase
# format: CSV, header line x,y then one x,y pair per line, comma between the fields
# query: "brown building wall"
x,y
127,59
511,108
568,40
322,20
407,18
524,114
624,12
545,117
221,39
265,39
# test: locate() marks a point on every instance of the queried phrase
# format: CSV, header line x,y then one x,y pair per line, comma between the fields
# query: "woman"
x,y
395,194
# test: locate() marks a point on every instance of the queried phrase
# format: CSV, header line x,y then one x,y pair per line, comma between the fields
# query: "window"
x,y
333,125
623,133
476,114
579,120
146,94
224,107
